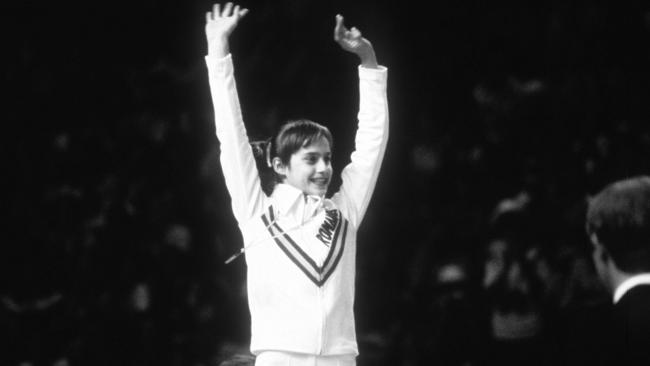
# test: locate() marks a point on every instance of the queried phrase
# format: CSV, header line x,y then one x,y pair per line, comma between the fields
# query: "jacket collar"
x,y
289,199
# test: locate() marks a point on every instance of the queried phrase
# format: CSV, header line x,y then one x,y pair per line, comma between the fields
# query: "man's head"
x,y
618,224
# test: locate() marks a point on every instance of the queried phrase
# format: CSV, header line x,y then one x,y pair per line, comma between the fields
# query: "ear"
x,y
279,167
600,252
605,266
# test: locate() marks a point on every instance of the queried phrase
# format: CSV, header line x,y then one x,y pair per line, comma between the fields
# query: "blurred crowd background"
x,y
505,117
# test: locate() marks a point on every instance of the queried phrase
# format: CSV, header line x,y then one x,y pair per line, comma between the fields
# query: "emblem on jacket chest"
x,y
326,230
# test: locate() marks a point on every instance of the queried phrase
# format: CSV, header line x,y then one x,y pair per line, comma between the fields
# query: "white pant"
x,y
275,358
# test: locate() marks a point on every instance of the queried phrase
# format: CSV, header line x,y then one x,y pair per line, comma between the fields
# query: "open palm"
x,y
221,22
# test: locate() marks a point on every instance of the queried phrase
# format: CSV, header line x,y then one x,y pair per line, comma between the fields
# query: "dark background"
x,y
505,117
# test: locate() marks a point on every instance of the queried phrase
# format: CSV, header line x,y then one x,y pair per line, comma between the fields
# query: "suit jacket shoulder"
x,y
632,325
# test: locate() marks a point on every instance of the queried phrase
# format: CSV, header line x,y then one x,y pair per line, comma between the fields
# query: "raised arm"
x,y
359,177
237,161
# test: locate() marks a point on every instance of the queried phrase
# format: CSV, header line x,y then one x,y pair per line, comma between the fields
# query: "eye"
x,y
311,159
327,159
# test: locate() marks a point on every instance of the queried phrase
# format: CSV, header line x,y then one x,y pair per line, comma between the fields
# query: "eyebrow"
x,y
312,153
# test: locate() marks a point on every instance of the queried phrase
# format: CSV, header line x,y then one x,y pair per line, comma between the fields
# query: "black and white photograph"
x,y
325,183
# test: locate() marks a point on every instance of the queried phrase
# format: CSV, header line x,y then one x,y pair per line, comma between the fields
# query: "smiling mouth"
x,y
320,181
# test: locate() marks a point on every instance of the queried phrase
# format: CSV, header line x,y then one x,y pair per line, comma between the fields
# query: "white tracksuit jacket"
x,y
300,250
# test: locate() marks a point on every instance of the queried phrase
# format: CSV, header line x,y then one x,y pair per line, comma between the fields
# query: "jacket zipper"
x,y
323,322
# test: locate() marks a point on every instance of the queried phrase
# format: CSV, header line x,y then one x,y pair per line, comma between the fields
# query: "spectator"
x,y
618,225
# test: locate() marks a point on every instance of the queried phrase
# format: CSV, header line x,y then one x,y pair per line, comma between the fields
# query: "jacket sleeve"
x,y
237,160
360,175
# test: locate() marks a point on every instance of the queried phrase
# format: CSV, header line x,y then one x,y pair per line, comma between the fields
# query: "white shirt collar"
x,y
288,198
625,286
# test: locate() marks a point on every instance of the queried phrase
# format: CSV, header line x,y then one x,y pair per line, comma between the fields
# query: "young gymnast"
x,y
299,246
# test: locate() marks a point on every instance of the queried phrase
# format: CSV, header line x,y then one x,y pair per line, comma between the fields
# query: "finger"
x,y
227,10
208,17
355,32
339,29
235,11
243,12
216,10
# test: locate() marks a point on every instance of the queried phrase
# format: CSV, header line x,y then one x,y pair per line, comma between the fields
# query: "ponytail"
x,y
262,153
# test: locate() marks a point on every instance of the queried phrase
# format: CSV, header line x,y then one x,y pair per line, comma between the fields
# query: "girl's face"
x,y
310,168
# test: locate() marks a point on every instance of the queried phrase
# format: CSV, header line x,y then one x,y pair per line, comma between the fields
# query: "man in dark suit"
x,y
618,224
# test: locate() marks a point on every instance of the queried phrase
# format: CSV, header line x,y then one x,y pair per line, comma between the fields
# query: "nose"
x,y
322,165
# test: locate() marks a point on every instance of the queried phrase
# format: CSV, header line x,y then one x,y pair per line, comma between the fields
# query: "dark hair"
x,y
619,215
290,137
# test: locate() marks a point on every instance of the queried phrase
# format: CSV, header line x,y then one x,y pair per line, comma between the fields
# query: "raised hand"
x,y
219,24
352,41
